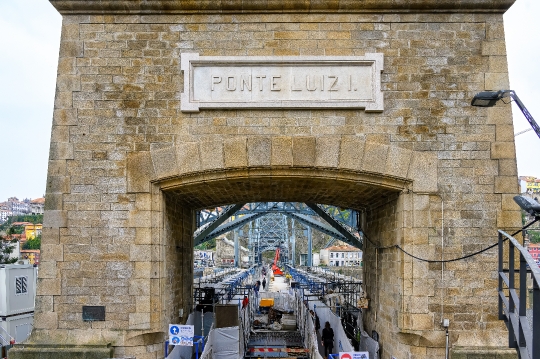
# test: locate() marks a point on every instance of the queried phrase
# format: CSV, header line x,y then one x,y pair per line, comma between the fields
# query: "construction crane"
x,y
275,267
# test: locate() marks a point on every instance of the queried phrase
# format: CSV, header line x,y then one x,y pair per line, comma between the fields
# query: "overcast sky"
x,y
30,38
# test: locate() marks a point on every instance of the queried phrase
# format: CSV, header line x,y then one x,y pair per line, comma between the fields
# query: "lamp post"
x,y
490,98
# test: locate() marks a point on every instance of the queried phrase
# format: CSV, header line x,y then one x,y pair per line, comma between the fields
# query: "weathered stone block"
x,y
506,185
49,286
500,114
398,161
211,155
259,151
483,352
327,152
164,161
61,151
496,47
235,152
423,171
55,219
188,157
503,150
65,351
139,171
375,156
352,153
282,151
303,151
497,80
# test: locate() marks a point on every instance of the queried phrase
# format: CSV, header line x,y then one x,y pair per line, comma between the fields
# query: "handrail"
x,y
3,340
9,336
512,299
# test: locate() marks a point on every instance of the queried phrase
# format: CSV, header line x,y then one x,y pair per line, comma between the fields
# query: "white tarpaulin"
x,y
226,343
367,343
307,327
223,343
341,342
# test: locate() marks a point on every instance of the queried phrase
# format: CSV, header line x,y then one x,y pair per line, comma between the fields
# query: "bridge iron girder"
x,y
340,223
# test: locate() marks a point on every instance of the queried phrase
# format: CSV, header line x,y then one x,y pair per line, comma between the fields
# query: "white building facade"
x,y
341,256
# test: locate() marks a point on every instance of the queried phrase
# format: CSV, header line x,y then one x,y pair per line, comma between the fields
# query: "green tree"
x,y
34,243
210,244
6,249
534,236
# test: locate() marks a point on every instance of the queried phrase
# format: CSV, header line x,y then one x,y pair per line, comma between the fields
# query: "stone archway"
x,y
127,166
379,198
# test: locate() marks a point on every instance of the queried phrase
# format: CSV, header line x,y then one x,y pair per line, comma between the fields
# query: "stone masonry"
x,y
127,168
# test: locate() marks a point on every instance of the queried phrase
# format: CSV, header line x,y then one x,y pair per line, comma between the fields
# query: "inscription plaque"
x,y
352,82
93,313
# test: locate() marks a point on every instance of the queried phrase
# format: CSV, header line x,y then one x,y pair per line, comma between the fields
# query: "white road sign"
x,y
181,334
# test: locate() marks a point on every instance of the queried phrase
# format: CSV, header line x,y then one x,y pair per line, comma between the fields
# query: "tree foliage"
x,y
32,218
534,236
210,244
6,249
34,243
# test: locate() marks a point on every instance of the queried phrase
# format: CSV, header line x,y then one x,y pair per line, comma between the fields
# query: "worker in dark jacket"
x,y
327,339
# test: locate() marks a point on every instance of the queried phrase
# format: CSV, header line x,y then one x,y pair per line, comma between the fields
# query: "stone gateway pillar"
x,y
164,107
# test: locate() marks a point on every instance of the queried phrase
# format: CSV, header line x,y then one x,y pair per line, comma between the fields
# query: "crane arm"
x,y
275,267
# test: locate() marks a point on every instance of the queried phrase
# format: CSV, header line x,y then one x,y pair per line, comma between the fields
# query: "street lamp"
x,y
490,98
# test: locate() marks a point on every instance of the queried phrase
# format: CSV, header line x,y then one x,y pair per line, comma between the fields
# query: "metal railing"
x,y
513,302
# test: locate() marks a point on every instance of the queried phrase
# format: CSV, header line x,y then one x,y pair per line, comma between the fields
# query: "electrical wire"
x,y
447,260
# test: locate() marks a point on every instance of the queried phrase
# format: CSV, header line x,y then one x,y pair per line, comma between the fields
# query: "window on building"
x,y
331,255
21,285
342,256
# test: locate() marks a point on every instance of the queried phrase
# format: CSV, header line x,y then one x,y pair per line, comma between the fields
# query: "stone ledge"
x,y
42,351
134,7
483,352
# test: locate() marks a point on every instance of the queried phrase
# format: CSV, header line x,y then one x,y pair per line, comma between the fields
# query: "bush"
x,y
34,243
534,236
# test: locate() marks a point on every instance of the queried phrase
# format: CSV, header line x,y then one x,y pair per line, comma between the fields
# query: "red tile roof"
x,y
344,248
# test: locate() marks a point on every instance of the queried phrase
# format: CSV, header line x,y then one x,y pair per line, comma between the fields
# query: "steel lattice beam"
x,y
345,217
202,233
338,226
350,238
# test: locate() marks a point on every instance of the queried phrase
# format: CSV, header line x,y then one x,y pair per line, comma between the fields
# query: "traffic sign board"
x,y
181,334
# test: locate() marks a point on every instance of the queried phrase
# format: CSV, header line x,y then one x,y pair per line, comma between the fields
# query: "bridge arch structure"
x,y
133,157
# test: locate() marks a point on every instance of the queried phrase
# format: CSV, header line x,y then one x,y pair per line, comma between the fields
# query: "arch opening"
x,y
378,201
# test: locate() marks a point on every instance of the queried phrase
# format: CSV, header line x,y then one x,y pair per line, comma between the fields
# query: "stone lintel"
x,y
135,7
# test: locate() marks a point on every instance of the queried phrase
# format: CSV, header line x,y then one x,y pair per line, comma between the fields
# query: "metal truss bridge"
x,y
269,228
